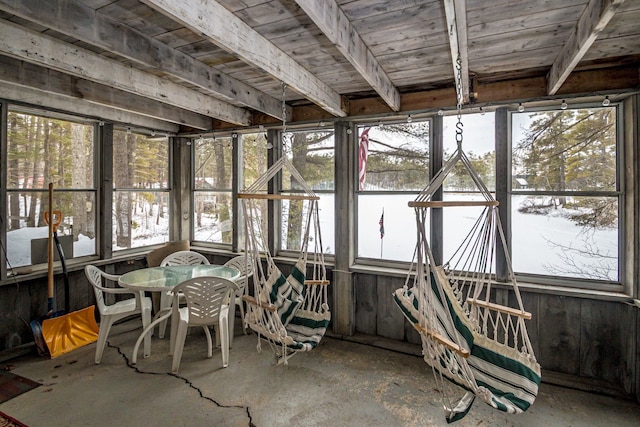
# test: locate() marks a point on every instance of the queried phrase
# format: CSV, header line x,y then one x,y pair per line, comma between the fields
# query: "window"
x,y
393,166
43,150
213,197
141,190
255,147
565,193
312,154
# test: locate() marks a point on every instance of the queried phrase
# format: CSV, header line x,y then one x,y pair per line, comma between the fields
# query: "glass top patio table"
x,y
162,279
159,279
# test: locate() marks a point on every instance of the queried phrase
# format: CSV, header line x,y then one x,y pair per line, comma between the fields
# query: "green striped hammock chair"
x,y
469,340
290,312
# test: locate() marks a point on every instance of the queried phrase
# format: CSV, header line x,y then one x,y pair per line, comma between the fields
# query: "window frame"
x,y
385,263
580,284
277,204
168,190
13,107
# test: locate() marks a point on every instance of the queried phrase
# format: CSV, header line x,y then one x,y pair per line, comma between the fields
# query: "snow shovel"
x,y
61,332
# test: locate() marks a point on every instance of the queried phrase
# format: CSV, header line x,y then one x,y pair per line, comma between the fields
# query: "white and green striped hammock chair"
x,y
467,338
290,312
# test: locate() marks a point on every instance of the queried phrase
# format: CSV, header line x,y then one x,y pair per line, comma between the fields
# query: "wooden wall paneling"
x,y
366,303
390,321
605,342
531,301
559,326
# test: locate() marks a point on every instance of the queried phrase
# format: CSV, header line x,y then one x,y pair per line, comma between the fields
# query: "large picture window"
x,y
393,166
141,190
43,150
565,193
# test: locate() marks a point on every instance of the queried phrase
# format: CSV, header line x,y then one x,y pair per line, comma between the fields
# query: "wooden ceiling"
x,y
193,64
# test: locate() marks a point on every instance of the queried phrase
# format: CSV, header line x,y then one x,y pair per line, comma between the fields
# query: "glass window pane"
x,y
398,240
254,157
566,236
140,218
312,155
478,144
213,217
41,150
570,150
294,217
213,163
394,157
140,161
27,230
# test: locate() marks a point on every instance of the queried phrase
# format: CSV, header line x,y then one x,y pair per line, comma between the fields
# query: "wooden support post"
x,y
503,186
345,178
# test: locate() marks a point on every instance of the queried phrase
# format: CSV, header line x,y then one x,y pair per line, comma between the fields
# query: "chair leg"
x,y
244,323
181,335
146,319
209,342
103,333
224,338
165,303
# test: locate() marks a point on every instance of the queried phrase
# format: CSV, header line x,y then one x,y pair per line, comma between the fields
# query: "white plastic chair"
x,y
207,300
241,263
177,258
118,310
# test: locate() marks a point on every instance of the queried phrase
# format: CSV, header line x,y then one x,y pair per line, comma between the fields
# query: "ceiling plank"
x,y
456,13
223,28
41,49
14,71
55,102
593,20
333,22
80,21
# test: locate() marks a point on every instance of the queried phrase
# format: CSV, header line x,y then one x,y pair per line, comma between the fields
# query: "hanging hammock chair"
x,y
291,313
467,339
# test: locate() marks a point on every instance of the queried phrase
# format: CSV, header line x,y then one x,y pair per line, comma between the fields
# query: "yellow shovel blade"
x,y
74,330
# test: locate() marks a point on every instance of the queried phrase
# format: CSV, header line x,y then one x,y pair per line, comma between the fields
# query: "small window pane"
x,y
213,217
28,231
312,155
213,163
294,212
140,219
396,238
570,150
478,144
42,150
394,157
254,157
140,161
566,236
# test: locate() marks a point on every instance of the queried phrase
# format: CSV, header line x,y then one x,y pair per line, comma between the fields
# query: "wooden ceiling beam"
x,y
456,14
55,102
593,20
20,73
77,20
49,52
333,22
580,83
224,29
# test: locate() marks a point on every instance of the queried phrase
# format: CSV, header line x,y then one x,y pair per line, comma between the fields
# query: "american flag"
x,y
363,152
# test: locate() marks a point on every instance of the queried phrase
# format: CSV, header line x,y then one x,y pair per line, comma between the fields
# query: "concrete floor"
x,y
339,383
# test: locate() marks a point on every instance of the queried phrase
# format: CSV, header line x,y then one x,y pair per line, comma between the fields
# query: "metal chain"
x,y
459,102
